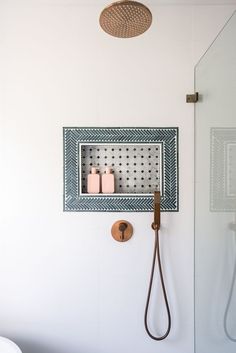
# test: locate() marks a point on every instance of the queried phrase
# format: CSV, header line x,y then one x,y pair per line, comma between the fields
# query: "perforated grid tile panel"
x,y
137,168
231,170
223,169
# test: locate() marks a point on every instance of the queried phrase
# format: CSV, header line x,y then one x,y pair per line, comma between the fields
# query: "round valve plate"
x,y
122,230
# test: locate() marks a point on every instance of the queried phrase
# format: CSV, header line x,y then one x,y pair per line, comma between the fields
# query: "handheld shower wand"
x,y
157,211
156,254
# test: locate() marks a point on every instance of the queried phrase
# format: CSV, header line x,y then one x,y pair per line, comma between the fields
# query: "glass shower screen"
x,y
215,196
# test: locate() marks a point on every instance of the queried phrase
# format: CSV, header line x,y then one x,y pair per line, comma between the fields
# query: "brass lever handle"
x,y
122,228
157,210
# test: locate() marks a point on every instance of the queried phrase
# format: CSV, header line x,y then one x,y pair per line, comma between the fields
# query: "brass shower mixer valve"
x,y
122,231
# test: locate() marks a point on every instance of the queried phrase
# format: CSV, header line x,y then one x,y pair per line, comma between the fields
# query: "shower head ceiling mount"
x,y
125,19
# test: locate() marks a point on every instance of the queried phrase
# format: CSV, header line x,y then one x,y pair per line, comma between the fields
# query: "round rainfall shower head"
x,y
125,19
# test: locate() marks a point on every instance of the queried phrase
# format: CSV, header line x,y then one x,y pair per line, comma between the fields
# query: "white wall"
x,y
66,285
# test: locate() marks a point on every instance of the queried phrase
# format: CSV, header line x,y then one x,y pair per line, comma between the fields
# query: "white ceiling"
x,y
106,2
160,2
192,2
147,2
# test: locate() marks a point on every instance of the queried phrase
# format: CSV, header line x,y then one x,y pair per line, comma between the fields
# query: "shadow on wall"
x,y
28,346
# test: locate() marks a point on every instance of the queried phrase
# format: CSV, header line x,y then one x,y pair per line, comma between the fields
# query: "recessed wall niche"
x,y
142,159
137,167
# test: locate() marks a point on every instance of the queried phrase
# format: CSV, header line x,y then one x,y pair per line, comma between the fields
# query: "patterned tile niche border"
x,y
74,138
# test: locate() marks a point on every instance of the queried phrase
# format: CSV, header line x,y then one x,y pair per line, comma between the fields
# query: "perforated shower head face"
x,y
125,19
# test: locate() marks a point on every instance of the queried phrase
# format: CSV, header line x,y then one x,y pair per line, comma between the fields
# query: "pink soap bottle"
x,y
93,182
108,182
